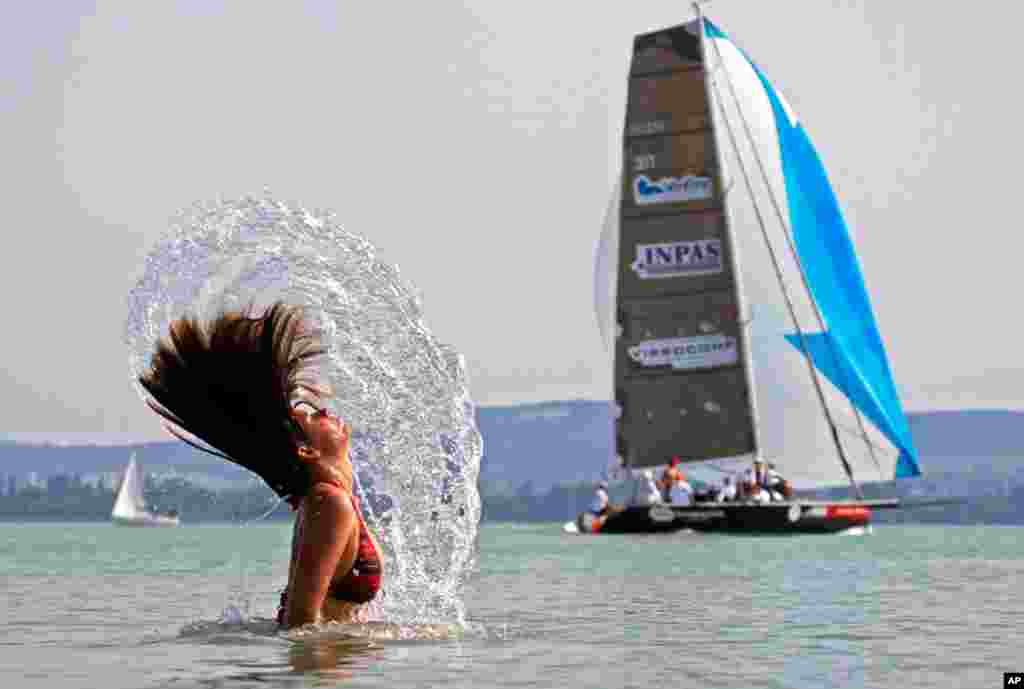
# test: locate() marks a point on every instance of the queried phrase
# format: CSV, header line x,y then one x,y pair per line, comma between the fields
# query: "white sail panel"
x,y
793,430
605,256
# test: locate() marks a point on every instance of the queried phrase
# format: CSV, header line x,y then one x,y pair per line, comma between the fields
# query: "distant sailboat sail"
x,y
130,506
697,373
130,503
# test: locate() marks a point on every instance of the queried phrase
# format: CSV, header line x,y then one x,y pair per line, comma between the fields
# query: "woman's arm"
x,y
328,542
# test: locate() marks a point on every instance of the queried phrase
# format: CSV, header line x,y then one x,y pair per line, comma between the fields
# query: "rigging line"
x,y
786,232
852,432
744,335
785,291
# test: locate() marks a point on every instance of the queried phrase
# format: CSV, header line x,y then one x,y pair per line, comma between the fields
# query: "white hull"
x,y
145,520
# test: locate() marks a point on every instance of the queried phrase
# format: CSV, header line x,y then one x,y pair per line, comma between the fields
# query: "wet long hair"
x,y
231,381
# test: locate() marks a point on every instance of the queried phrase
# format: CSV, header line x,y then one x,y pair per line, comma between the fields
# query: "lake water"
x,y
92,605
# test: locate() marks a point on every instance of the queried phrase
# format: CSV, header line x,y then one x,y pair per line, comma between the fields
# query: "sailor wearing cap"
x,y
754,480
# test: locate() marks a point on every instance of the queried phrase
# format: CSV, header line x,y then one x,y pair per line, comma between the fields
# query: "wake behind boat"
x,y
689,323
130,505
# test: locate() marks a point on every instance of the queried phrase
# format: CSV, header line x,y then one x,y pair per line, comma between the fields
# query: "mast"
x,y
805,350
741,299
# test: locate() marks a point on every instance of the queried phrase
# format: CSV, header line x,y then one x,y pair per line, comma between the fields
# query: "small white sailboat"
x,y
130,507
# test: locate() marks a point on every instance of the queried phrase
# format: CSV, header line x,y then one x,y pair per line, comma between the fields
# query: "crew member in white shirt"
x,y
760,495
646,492
728,490
774,483
599,503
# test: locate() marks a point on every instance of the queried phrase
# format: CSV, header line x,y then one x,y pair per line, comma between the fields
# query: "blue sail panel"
x,y
851,355
824,352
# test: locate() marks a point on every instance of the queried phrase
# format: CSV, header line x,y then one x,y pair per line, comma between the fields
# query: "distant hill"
x,y
545,443
563,441
969,441
159,457
553,442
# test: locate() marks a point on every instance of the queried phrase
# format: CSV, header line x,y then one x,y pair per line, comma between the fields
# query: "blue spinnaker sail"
x,y
850,353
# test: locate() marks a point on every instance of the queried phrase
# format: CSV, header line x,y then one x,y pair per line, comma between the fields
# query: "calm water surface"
x,y
92,605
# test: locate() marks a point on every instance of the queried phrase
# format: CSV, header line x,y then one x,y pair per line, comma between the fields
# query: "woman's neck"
x,y
338,474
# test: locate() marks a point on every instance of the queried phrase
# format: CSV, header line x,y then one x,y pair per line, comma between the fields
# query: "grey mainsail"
x,y
682,373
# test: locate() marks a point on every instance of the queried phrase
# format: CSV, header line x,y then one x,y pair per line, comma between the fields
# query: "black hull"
x,y
778,518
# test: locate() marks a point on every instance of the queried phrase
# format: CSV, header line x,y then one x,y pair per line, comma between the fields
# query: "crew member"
x,y
645,490
778,486
599,505
728,490
673,484
754,480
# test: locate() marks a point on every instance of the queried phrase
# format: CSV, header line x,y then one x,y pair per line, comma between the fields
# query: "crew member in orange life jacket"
x,y
671,478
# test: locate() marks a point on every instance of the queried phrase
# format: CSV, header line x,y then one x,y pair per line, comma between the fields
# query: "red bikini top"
x,y
362,583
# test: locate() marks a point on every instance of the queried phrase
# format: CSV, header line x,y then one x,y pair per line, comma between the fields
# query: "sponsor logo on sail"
x,y
670,189
686,353
675,259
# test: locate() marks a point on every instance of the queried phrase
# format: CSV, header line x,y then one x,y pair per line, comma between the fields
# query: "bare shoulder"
x,y
327,500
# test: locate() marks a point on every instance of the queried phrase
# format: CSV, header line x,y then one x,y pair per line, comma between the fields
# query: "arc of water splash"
x,y
326,256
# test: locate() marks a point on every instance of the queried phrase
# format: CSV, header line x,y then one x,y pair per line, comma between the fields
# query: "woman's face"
x,y
326,434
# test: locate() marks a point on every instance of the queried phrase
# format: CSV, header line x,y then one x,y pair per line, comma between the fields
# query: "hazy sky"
x,y
475,144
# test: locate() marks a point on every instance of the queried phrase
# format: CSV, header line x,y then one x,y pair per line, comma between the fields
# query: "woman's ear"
x,y
307,453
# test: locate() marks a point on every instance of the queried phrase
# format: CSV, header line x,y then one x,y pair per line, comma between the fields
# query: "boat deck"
x,y
786,517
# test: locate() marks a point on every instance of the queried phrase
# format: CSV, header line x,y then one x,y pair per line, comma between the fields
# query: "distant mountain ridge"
x,y
47,459
551,442
968,432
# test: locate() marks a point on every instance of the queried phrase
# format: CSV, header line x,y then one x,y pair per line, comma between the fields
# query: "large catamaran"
x,y
719,360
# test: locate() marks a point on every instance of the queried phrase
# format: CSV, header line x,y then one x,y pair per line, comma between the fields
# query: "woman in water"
x,y
247,386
